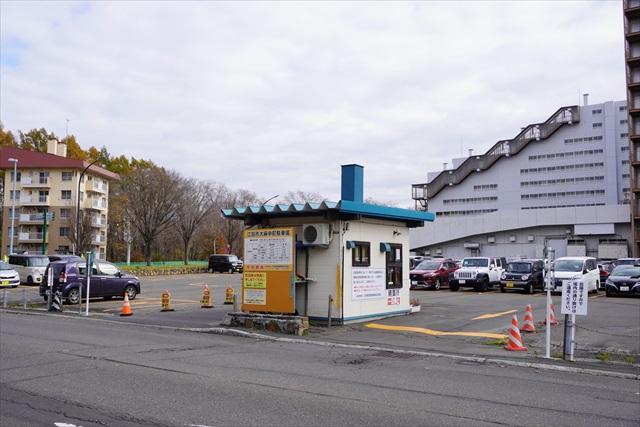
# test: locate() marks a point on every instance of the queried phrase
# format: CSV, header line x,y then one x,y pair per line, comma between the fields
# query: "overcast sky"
x,y
276,96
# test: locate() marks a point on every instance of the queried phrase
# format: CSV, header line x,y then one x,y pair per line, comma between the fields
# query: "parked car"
x,y
63,257
623,280
581,269
9,278
479,273
525,274
225,263
605,269
29,267
627,261
107,281
432,273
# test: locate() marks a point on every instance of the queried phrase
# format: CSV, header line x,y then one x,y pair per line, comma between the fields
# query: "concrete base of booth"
x,y
286,324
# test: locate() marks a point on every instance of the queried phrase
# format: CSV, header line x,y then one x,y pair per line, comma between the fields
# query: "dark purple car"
x,y
107,280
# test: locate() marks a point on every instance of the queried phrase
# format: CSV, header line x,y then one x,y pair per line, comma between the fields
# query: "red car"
x,y
432,273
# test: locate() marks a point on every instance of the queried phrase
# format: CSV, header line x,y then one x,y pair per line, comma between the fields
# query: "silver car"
x,y
9,278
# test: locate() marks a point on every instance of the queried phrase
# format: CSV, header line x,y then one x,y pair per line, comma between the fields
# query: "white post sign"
x,y
574,298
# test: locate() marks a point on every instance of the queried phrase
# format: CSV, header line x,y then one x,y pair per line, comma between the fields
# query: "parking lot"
x,y
457,322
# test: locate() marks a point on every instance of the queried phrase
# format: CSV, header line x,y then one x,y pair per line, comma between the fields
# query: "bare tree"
x,y
195,204
231,230
150,198
80,228
299,196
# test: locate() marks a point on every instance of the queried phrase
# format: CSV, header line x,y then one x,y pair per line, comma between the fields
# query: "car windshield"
x,y
629,261
567,265
38,261
5,266
519,267
232,258
475,262
428,265
625,271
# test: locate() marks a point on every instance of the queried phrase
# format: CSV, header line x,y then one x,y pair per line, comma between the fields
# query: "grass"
x,y
502,341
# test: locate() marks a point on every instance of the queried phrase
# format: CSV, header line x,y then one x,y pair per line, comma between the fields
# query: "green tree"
x,y
35,139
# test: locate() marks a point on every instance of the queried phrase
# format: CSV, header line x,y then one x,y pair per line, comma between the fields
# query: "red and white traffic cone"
x,y
528,327
552,316
515,341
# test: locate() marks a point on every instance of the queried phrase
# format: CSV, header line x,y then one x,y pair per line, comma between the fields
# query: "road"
x,y
79,371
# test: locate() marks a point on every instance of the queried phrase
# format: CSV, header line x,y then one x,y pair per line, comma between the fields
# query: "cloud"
x,y
275,96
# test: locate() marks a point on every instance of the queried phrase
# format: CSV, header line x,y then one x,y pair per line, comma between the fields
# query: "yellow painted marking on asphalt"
x,y
490,316
432,332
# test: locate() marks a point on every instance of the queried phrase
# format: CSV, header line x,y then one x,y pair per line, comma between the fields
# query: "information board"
x,y
268,281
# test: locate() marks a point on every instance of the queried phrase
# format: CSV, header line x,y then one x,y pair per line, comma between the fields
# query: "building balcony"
x,y
35,201
99,205
33,237
99,222
30,219
30,182
100,187
98,240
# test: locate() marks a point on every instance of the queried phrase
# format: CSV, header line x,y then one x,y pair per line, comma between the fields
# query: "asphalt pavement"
x,y
397,336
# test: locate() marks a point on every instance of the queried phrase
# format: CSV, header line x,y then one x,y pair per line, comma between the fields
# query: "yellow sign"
x,y
254,280
268,282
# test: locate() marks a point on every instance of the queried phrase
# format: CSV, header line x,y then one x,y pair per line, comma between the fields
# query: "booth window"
x,y
360,254
394,266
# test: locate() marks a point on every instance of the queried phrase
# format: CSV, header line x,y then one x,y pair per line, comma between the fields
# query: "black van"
x,y
225,262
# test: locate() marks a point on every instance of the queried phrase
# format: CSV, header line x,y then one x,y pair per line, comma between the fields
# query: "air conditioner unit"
x,y
315,234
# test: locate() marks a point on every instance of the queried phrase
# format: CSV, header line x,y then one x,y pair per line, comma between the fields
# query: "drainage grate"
x,y
393,354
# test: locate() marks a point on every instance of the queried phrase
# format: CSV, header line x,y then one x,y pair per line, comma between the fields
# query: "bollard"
x,y
80,300
329,316
4,298
24,299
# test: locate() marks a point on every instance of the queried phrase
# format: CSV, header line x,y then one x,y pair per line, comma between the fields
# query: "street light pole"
x,y
13,201
78,249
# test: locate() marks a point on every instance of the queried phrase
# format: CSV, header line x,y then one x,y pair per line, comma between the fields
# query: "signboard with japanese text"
x,y
574,298
268,282
367,283
393,296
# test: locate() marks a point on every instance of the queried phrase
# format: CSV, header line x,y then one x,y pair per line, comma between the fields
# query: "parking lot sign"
x,y
574,297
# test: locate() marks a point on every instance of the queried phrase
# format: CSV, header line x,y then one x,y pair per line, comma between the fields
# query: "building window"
x,y
624,135
597,125
18,174
65,213
624,122
44,177
14,196
67,176
64,232
66,195
594,112
360,255
394,266
623,108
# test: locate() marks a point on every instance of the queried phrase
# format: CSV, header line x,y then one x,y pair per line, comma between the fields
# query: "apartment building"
x,y
54,196
563,183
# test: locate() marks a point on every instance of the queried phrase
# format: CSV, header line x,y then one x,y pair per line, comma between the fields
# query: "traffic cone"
x,y
206,298
554,322
126,308
528,322
515,342
166,301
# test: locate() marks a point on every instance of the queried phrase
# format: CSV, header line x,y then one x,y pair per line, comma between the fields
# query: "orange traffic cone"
x,y
528,322
126,308
552,316
515,342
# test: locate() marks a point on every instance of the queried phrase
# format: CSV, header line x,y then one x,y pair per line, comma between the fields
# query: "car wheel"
x,y
436,283
30,281
131,292
73,297
483,286
211,270
595,291
230,270
606,292
503,289
454,287
528,289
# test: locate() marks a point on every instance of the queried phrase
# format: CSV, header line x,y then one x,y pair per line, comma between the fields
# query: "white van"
x,y
577,268
30,267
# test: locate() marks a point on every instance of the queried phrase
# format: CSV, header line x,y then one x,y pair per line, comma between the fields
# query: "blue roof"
x,y
343,206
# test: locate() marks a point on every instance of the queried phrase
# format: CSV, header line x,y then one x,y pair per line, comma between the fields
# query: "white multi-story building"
x,y
563,183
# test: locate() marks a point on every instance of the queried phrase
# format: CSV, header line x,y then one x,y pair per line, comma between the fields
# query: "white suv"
x,y
581,269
